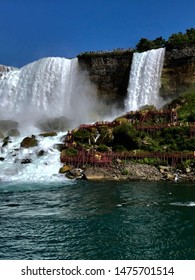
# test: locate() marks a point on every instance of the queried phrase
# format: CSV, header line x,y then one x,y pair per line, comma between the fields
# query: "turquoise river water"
x,y
100,220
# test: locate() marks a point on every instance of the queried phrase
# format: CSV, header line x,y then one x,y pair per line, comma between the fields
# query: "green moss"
x,y
185,105
125,135
125,172
82,135
102,148
71,152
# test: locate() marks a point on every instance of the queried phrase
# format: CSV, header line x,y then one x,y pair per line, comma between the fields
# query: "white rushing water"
x,y
41,91
47,88
144,81
42,161
55,87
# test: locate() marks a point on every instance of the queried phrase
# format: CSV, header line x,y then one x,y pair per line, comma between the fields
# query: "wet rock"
x,y
6,141
48,134
164,169
58,147
40,153
74,173
64,169
188,170
170,176
29,142
26,160
94,173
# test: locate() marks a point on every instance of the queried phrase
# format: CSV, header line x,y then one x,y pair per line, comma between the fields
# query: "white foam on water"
x,y
186,204
41,168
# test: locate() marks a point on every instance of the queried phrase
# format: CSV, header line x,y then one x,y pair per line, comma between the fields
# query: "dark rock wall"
x,y
110,72
178,73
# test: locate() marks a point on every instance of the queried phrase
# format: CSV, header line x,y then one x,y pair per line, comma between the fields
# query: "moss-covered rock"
x,y
48,134
29,142
65,169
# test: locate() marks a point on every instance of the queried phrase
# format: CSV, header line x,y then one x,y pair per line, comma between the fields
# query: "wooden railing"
x,y
97,158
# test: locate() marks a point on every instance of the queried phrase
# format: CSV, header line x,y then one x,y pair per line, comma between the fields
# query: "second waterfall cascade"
x,y
144,80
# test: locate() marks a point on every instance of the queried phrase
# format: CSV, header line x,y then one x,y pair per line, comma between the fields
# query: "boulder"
x,y
188,169
170,176
93,174
48,134
26,160
58,147
1,158
65,169
163,168
40,153
6,141
29,142
74,173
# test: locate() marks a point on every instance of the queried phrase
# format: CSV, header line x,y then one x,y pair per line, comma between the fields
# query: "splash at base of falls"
x,y
144,80
48,88
33,164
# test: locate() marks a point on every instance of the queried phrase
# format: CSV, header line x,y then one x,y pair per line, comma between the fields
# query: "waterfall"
x,y
32,99
144,81
47,88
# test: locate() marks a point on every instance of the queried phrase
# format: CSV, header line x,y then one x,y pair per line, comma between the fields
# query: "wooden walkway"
x,y
105,159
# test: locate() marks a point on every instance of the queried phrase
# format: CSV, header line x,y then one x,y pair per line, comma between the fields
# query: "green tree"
x,y
125,135
159,42
177,40
144,45
191,35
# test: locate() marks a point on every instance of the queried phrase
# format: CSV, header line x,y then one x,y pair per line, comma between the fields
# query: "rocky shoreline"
x,y
129,171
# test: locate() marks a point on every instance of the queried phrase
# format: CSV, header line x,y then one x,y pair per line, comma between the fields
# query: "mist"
x,y
49,89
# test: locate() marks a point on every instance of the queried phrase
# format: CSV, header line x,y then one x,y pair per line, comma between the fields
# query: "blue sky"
x,y
32,29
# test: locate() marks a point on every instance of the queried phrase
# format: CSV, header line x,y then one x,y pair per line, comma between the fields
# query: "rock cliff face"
x,y
178,73
110,72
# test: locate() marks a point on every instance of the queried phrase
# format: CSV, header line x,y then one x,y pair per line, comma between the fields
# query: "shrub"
x,y
125,135
102,148
82,135
125,172
71,152
119,148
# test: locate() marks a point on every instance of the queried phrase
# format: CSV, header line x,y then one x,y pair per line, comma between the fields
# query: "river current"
x,y
97,220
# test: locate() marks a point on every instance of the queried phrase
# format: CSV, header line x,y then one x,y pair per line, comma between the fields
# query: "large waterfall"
x,y
33,98
52,88
48,88
144,81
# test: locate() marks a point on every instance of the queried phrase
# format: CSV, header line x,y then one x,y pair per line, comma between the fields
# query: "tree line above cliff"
x,y
177,40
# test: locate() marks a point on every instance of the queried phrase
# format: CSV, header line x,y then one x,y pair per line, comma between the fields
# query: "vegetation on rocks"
x,y
177,40
145,132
